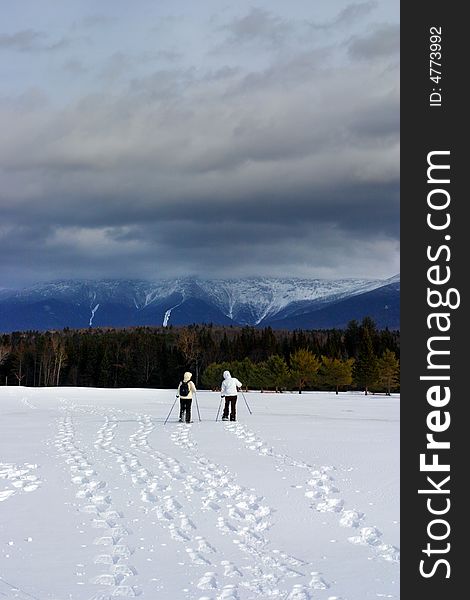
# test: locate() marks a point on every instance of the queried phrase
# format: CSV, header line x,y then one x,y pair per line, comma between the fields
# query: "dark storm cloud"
x,y
74,67
24,41
294,205
31,41
347,16
272,234
290,168
169,248
171,56
264,28
95,21
384,40
258,25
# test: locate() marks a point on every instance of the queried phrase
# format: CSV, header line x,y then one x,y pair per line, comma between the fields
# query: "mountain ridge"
x,y
252,301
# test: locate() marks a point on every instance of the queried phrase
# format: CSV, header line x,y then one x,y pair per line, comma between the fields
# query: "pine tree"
x,y
352,339
105,374
304,366
365,368
335,373
211,376
276,372
225,347
388,369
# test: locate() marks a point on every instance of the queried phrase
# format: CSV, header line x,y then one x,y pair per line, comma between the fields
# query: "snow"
x,y
248,300
166,317
99,499
394,279
265,297
93,311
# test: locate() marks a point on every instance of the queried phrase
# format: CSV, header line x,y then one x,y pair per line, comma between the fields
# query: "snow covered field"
x,y
99,499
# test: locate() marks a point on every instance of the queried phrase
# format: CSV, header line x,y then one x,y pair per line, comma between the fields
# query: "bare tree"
x,y
148,358
4,353
60,357
188,343
19,369
47,364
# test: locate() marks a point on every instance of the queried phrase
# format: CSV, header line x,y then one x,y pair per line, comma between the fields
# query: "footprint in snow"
x,y
197,558
204,546
186,524
230,570
370,536
351,518
108,579
123,591
228,592
330,505
299,592
125,570
288,571
208,581
210,504
177,534
317,582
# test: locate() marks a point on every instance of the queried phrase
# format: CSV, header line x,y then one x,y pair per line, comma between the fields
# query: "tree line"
x,y
358,357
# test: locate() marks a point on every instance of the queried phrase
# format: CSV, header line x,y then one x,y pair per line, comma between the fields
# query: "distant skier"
x,y
185,392
229,391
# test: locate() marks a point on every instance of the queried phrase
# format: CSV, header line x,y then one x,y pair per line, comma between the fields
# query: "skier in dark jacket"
x,y
229,391
185,392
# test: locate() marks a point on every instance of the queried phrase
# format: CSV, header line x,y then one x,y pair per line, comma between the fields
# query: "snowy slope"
x,y
263,298
99,499
180,301
382,304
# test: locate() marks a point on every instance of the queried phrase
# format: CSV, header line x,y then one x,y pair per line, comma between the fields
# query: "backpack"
x,y
184,388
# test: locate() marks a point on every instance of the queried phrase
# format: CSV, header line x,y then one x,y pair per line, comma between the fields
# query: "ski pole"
x,y
247,405
197,406
220,404
171,410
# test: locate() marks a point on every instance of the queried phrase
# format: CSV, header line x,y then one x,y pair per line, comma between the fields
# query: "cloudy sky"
x,y
157,139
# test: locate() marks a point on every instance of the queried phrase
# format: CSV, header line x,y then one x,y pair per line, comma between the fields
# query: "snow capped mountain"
x,y
394,279
253,301
261,301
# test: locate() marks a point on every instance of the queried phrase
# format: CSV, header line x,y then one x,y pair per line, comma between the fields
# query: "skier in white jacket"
x,y
229,391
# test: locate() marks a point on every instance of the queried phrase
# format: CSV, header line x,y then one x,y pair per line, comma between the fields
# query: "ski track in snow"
x,y
26,402
322,493
172,494
237,512
244,517
171,510
117,574
16,479
154,489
